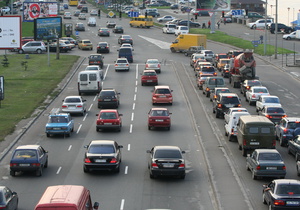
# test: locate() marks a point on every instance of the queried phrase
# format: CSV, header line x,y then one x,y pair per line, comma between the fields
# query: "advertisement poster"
x,y
10,32
1,88
32,10
47,28
214,5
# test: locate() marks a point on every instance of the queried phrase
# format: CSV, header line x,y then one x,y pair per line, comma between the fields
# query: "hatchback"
x,y
118,29
122,64
82,16
103,32
8,199
153,64
162,94
149,77
74,105
110,24
109,119
159,118
108,97
33,47
32,158
102,155
103,47
79,27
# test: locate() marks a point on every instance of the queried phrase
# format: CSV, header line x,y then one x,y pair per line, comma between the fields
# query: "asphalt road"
x,y
216,174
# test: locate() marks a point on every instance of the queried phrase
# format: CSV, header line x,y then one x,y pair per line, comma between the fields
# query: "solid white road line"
x,y
126,170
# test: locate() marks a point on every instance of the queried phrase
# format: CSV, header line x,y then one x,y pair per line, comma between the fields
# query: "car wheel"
x,y
254,177
207,94
152,176
39,172
217,114
182,176
21,51
244,152
97,129
85,170
12,173
149,127
47,134
168,128
226,134
240,147
117,170
288,38
298,172
38,51
46,164
289,150
68,134
264,198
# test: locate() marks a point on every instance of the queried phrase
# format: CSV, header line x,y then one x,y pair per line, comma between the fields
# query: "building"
x,y
251,5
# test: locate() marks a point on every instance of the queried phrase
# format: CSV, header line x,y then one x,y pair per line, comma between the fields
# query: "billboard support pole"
x,y
212,25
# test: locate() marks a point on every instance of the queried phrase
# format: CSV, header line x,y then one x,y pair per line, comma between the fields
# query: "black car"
x,y
102,155
118,29
8,199
103,47
166,161
125,39
153,14
247,84
62,47
225,101
84,9
234,53
282,194
280,28
108,98
96,59
185,23
164,3
103,32
174,6
110,24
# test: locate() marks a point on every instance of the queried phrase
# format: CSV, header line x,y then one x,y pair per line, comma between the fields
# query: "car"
x,y
95,68
252,95
219,56
217,91
149,77
6,10
247,84
199,64
165,18
274,113
79,6
9,199
294,147
174,6
260,23
76,13
85,44
125,39
266,163
93,12
103,32
211,83
62,47
254,15
206,70
70,39
267,101
67,15
201,79
290,36
66,6
226,18
74,105
190,23
159,118
153,64
84,9
103,47
181,30
209,55
68,43
122,64
223,102
108,98
92,22
195,57
127,45
33,47
118,29
287,129
108,119
153,13
29,158
230,111
82,16
111,24
79,27
280,28
231,125
166,161
226,71
234,53
162,94
154,4
221,64
192,50
102,155
282,194
96,59
201,13
59,124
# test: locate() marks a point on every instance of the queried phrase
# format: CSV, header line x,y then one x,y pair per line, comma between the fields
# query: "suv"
x,y
287,129
225,101
108,97
96,59
280,28
33,47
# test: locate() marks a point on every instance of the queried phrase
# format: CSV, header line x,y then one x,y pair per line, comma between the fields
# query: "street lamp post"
x,y
288,16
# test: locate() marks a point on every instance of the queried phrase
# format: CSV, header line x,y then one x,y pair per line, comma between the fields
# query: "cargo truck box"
x,y
184,41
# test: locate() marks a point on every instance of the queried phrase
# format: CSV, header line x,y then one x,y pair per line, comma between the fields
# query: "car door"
x,y
294,146
269,191
252,160
42,155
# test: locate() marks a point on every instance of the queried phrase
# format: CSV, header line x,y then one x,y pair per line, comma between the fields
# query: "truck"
x,y
242,67
184,41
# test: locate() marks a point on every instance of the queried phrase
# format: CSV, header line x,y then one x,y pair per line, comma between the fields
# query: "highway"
x,y
216,173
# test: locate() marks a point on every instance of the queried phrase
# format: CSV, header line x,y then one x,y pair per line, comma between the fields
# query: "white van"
x,y
181,30
91,21
169,28
89,82
231,126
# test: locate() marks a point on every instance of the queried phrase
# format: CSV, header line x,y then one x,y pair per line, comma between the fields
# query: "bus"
x,y
141,21
73,3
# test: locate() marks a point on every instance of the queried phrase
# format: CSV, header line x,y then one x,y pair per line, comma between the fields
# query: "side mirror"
x,y
85,146
84,100
248,155
97,114
183,152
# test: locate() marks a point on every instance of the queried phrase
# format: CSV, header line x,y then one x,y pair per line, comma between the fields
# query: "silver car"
x,y
153,64
74,105
122,64
95,68
33,47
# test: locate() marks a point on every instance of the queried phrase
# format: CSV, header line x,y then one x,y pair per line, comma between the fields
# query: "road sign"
x,y
256,42
237,12
133,14
111,14
76,33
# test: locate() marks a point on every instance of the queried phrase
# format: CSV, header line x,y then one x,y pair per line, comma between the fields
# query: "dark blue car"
x,y
8,199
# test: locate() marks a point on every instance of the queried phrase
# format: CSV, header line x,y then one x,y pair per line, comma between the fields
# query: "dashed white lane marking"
x,y
57,172
70,147
122,204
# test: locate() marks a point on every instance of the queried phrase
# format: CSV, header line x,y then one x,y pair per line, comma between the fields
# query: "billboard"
x,y
1,88
10,32
32,10
214,5
47,28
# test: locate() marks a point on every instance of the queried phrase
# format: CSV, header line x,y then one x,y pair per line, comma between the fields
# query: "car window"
x,y
101,149
25,154
149,73
163,91
265,130
72,100
93,77
288,189
167,154
253,130
159,113
83,77
269,156
107,93
271,100
58,119
293,125
121,61
275,110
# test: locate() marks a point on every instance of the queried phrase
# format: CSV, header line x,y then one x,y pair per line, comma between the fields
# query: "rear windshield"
x,y
269,156
149,73
260,90
254,83
58,119
230,100
263,130
293,125
163,91
101,149
216,82
275,110
288,189
121,61
208,69
167,154
72,100
107,93
25,154
125,50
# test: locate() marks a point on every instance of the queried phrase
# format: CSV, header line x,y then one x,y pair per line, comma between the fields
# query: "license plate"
x,y
168,165
159,120
162,96
100,161
72,107
229,105
149,80
56,128
271,168
293,203
24,164
106,99
107,123
254,143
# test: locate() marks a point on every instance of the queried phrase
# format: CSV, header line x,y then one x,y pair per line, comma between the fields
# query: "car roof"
x,y
152,59
229,94
166,147
29,146
159,109
162,86
108,142
122,59
73,97
108,110
255,87
264,96
267,150
292,118
149,70
236,108
287,181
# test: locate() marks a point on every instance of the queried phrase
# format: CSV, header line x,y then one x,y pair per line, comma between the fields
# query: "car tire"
x,y
97,129
85,170
289,150
244,152
21,51
226,134
39,51
281,142
298,172
39,172
247,167
168,128
217,114
152,176
288,38
47,134
149,127
12,173
46,164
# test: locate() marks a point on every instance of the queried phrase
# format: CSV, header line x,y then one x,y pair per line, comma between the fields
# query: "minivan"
x,y
126,52
255,132
89,82
68,197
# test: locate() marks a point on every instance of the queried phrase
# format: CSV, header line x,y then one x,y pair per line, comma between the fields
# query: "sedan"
x,y
149,77
274,113
125,39
166,161
185,23
102,155
118,29
247,84
82,16
159,118
266,163
67,15
254,92
8,199
74,105
103,47
110,24
93,12
282,194
109,119
165,18
153,64
31,158
122,64
62,47
103,32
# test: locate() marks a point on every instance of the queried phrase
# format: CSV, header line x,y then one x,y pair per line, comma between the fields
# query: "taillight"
x,y
113,160
268,116
285,130
207,89
279,203
215,74
219,105
284,168
158,65
181,165
284,116
79,106
154,165
248,87
13,164
253,96
36,164
258,167
245,142
64,106
87,160
239,105
274,143
215,96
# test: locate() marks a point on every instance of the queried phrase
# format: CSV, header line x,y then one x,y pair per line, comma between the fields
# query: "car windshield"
x,y
272,100
163,91
58,119
275,110
108,115
230,100
159,113
25,154
254,83
293,125
101,149
149,73
288,189
168,154
260,90
269,156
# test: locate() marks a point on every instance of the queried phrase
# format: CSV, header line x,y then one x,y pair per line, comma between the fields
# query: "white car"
x,y
67,15
74,105
122,64
267,101
95,68
252,95
127,45
208,54
181,30
231,125
165,18
290,36
5,9
169,28
230,111
261,23
153,64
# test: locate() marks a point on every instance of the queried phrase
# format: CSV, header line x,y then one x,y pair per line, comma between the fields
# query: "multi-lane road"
x,y
216,174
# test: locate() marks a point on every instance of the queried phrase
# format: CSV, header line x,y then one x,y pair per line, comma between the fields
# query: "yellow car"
x,y
85,44
222,62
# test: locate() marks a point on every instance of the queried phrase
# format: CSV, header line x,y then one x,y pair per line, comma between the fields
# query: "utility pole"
x,y
265,39
276,28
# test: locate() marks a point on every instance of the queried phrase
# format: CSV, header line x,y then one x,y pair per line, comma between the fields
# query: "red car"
x,y
159,118
149,77
79,6
162,94
109,119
